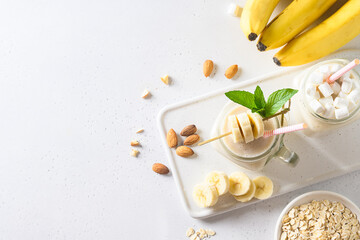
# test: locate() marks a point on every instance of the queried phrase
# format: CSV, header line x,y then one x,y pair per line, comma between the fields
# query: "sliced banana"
x,y
220,180
239,183
235,129
245,127
264,187
249,195
205,195
257,124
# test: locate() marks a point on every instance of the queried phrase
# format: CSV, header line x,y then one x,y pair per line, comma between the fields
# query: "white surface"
x,y
325,162
71,77
315,195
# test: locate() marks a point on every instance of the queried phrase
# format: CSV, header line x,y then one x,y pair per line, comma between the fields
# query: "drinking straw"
x,y
270,133
343,70
283,130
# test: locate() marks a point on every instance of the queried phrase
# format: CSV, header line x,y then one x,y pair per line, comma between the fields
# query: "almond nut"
x,y
184,151
171,138
192,139
188,130
160,168
231,71
134,143
208,67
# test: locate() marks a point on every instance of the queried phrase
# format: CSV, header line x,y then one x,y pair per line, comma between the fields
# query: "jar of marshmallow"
x,y
333,103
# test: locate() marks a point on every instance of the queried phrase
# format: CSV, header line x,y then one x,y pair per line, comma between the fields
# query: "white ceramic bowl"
x,y
316,195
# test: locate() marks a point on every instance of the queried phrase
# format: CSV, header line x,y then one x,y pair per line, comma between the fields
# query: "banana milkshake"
x,y
242,149
246,146
325,105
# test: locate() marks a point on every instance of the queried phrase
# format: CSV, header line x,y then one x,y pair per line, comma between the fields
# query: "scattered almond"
x,y
171,138
188,130
145,94
192,139
184,151
231,71
165,79
208,67
134,143
140,130
134,152
160,168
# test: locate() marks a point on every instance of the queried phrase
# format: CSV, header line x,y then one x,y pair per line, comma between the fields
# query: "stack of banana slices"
x,y
238,184
246,126
290,27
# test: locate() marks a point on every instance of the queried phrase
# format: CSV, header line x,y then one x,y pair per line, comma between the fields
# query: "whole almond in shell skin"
x,y
231,71
184,151
160,168
208,68
188,130
192,139
171,138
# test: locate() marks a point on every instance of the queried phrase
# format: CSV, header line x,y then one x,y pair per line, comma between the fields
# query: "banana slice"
x,y
264,187
205,195
257,124
249,195
235,129
239,183
220,180
245,127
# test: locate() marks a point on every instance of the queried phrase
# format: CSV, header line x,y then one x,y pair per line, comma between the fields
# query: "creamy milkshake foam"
x,y
251,149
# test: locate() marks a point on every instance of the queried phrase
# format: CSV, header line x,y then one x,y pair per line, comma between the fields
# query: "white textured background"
x,y
71,76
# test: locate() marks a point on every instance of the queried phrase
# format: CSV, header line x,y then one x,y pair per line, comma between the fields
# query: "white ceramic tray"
x,y
318,161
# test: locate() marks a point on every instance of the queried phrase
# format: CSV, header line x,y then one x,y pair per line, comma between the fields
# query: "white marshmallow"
x,y
341,102
324,69
346,85
316,106
336,88
346,75
325,89
354,96
317,78
341,113
329,111
335,68
342,94
351,106
327,100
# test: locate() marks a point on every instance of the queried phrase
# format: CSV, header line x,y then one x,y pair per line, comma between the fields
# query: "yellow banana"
x,y
290,22
255,16
328,36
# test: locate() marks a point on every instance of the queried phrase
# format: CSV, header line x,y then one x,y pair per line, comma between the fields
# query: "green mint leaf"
x,y
259,98
243,98
277,99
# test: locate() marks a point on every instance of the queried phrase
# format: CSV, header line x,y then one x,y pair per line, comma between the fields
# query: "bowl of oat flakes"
x,y
319,215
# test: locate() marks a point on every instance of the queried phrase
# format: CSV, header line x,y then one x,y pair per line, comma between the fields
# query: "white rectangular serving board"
x,y
321,157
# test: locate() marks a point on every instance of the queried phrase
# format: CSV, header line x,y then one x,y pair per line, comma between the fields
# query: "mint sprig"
x,y
257,103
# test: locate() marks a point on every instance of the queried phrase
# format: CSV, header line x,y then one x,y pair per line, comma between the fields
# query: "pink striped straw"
x,y
283,130
343,70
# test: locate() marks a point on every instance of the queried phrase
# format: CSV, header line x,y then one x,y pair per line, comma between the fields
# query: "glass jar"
x,y
276,149
318,122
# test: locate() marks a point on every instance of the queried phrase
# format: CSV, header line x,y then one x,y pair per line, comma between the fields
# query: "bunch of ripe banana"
x,y
287,28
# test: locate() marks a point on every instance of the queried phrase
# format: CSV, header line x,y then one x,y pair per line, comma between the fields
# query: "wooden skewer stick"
x,y
215,138
229,133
